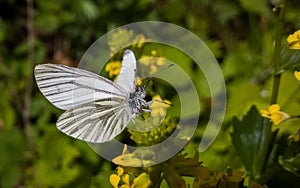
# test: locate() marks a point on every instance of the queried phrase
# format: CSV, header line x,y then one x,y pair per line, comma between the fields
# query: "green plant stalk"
x,y
276,61
258,166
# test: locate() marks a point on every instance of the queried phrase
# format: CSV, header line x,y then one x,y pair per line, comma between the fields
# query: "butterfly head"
x,y
137,103
141,91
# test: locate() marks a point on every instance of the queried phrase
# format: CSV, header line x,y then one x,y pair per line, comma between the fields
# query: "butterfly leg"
x,y
147,103
146,110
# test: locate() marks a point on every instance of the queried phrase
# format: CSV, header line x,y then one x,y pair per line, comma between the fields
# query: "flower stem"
x,y
276,61
294,116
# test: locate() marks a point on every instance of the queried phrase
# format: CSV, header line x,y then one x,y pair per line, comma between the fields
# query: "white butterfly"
x,y
97,109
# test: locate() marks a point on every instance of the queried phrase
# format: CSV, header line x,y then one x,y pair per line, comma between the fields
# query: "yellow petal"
x,y
265,113
161,62
138,81
156,97
154,52
167,103
142,181
145,60
113,68
116,71
294,40
276,119
297,75
114,180
293,37
153,69
274,108
125,178
120,171
279,117
108,67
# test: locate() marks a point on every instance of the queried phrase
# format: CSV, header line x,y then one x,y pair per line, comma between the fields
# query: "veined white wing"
x,y
96,122
97,108
69,87
126,78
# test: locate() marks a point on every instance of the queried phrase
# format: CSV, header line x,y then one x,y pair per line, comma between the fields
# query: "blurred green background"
x,y
33,153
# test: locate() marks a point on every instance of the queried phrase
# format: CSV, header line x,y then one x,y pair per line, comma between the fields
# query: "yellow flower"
x,y
124,37
138,81
113,68
274,114
114,180
142,181
297,75
294,41
125,179
153,52
120,171
152,61
139,39
158,107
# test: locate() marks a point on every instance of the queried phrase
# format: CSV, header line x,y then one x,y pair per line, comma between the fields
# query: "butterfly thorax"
x,y
137,103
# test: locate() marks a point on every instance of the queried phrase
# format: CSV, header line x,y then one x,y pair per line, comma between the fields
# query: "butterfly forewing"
x,y
68,87
127,76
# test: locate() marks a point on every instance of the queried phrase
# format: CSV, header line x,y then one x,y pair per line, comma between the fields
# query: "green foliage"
x,y
154,136
290,160
253,140
241,34
12,149
174,173
256,6
56,160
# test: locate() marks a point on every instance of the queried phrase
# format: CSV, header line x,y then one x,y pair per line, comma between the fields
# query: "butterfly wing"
x,y
126,78
69,87
96,122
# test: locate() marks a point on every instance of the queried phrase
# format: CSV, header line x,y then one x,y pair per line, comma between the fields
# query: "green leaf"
x,y
290,58
11,176
56,165
256,6
12,148
291,164
172,177
290,160
252,138
89,9
2,31
49,22
232,10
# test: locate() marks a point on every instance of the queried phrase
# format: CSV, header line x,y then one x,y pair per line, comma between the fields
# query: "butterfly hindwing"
x,y
96,122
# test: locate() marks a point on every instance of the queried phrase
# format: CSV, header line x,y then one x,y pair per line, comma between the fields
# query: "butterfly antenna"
x,y
150,78
161,101
164,102
165,68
